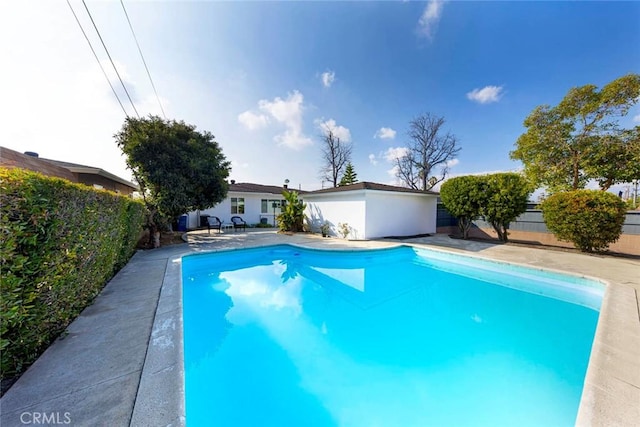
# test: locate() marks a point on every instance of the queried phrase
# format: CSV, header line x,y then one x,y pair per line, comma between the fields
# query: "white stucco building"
x,y
252,202
372,210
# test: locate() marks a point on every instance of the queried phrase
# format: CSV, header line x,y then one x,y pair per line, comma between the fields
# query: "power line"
x,y
111,60
143,61
97,59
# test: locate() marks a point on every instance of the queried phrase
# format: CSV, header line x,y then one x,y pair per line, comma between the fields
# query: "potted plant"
x,y
344,229
324,228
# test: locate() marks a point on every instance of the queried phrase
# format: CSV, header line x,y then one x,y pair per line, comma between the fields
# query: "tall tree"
x,y
616,160
579,139
335,156
430,149
177,168
350,176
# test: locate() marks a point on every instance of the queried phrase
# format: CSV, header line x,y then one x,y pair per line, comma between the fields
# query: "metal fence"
x,y
532,221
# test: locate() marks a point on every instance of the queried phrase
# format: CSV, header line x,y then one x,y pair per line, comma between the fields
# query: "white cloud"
x,y
429,19
264,294
328,77
287,112
385,133
394,153
372,159
636,118
451,163
393,177
340,131
486,95
253,121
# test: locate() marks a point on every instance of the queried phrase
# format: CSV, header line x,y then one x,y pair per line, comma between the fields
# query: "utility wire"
x,y
97,59
142,56
111,60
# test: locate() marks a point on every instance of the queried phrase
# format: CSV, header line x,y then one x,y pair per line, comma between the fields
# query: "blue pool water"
x,y
283,336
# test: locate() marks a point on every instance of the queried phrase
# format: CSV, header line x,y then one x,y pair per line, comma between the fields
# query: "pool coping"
x,y
610,393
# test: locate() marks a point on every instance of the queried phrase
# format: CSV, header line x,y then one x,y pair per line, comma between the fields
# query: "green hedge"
x,y
60,244
590,219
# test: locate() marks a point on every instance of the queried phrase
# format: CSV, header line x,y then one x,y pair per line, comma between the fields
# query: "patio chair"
x,y
238,223
215,223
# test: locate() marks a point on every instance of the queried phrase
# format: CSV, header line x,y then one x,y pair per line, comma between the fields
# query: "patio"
x,y
121,361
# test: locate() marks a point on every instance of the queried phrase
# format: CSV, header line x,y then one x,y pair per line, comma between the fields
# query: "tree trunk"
x,y
154,231
576,171
464,226
156,239
501,230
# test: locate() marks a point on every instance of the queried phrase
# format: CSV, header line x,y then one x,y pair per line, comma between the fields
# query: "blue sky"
x,y
264,76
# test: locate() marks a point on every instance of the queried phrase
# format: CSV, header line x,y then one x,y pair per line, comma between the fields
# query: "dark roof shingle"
x,y
247,187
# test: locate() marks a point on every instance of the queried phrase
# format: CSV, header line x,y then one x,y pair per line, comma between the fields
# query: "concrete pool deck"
x,y
120,362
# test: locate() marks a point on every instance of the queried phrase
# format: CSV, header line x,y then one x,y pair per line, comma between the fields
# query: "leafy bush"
x,y
292,216
262,225
590,219
505,198
499,198
60,243
462,196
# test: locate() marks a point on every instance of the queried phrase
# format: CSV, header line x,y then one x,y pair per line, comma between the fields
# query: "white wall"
x,y
399,214
372,214
252,207
345,207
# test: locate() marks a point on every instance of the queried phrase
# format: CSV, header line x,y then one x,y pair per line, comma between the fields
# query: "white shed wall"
x,y
399,214
347,207
372,214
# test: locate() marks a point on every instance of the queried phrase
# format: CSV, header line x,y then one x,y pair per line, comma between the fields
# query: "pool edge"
x,y
606,399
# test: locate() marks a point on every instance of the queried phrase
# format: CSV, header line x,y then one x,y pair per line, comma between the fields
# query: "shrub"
x,y
590,219
262,225
60,243
505,198
462,196
344,229
292,216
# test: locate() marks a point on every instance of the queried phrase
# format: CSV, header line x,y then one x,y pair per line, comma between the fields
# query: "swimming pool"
x,y
289,336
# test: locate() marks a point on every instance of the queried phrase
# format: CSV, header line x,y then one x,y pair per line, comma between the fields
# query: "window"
x,y
237,205
266,206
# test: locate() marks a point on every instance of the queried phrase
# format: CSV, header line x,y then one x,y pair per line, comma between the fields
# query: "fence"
x,y
530,227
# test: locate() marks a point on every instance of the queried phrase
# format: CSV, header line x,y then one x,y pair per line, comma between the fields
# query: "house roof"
x,y
365,185
13,159
76,168
247,187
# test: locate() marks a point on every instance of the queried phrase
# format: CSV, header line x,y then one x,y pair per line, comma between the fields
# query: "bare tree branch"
x,y
335,156
429,149
406,171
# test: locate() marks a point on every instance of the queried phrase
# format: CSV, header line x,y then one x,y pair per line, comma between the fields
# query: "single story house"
x,y
367,210
254,203
87,175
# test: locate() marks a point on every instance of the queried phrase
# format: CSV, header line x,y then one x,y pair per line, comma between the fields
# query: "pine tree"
x,y
350,176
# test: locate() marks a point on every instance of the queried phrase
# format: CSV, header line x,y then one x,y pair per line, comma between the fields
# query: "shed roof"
x,y
365,185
